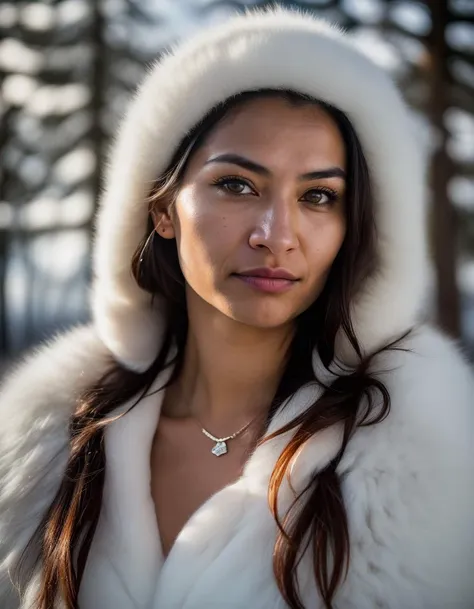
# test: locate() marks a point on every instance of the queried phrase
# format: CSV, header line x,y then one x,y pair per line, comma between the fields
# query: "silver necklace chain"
x,y
220,448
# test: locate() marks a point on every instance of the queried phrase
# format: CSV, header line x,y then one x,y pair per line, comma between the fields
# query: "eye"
x,y
321,197
233,185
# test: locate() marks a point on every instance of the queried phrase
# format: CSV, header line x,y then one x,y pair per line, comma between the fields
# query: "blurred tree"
x,y
444,220
49,153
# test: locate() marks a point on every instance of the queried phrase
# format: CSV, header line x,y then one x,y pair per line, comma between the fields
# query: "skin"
x,y
238,335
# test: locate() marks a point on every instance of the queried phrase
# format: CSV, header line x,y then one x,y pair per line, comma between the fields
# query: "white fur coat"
x,y
408,485
408,482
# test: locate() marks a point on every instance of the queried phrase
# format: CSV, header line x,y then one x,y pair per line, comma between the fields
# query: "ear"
x,y
163,223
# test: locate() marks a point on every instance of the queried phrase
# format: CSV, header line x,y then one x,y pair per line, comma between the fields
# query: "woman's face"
x,y
264,194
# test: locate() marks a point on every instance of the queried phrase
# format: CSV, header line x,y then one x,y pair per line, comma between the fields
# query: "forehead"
x,y
274,128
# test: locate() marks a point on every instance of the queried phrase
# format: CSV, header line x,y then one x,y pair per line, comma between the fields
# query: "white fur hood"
x,y
279,49
408,482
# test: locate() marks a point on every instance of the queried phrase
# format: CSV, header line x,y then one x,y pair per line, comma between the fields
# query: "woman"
x,y
257,416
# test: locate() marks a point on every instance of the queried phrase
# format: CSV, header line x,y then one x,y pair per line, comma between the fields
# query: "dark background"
x,y
67,69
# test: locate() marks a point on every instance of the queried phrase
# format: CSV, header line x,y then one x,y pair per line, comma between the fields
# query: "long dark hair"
x,y
318,516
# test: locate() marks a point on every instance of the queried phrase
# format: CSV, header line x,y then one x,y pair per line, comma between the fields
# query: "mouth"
x,y
273,285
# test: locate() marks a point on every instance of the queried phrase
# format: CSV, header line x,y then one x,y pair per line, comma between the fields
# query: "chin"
x,y
265,319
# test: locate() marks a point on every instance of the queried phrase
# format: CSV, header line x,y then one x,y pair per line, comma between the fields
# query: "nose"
x,y
276,228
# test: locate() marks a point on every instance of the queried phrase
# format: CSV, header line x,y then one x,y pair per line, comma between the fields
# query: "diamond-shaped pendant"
x,y
219,449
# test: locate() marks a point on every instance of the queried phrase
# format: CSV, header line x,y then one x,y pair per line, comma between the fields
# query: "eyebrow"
x,y
236,159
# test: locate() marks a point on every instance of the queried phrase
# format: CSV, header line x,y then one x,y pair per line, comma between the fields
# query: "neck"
x,y
231,371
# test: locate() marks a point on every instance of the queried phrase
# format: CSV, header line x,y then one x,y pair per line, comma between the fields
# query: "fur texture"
x,y
408,482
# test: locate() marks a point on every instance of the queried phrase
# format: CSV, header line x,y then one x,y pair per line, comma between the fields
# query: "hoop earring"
x,y
147,243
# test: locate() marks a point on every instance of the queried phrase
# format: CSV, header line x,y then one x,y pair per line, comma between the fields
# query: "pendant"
x,y
219,449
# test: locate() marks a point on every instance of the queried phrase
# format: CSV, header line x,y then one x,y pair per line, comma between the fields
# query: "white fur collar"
x,y
278,48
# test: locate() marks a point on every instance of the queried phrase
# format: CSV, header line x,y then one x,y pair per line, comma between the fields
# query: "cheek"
x,y
202,233
324,244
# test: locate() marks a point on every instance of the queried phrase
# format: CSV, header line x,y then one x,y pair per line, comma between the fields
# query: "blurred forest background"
x,y
67,69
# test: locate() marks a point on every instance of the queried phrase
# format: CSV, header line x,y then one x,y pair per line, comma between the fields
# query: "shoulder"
x,y
427,354
38,395
37,398
431,386
409,480
40,390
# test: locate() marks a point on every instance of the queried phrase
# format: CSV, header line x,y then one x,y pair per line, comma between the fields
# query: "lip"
x,y
268,280
269,273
